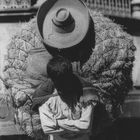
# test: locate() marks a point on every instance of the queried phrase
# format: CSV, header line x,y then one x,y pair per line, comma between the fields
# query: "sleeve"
x,y
84,123
48,121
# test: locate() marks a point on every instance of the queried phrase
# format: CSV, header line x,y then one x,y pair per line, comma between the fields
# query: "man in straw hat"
x,y
66,29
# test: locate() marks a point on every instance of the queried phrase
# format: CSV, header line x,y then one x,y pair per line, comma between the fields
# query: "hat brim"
x,y
52,38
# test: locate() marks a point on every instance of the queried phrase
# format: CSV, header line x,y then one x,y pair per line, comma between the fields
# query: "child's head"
x,y
69,87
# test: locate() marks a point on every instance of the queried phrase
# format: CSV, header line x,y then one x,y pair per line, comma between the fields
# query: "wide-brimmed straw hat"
x,y
63,23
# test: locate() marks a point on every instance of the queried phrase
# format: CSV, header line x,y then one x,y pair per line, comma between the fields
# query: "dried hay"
x,y
109,67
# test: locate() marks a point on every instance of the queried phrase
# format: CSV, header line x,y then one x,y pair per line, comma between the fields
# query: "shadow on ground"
x,y
122,129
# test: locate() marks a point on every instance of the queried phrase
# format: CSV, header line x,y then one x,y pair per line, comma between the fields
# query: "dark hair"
x,y
59,67
68,85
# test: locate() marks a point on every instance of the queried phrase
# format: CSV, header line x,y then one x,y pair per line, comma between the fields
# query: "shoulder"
x,y
53,100
89,94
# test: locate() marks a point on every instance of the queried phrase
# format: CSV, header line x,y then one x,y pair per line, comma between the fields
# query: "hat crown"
x,y
62,15
63,21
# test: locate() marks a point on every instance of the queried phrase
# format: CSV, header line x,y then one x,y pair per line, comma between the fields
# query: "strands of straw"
x,y
109,66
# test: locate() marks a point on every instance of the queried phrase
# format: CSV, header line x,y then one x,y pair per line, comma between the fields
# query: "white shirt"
x,y
56,119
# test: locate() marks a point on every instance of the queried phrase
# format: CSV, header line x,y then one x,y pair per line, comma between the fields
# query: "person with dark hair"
x,y
68,115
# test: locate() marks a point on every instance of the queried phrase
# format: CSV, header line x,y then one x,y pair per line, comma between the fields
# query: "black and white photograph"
x,y
69,69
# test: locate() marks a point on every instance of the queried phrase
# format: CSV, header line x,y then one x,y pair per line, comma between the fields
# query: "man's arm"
x,y
48,121
84,123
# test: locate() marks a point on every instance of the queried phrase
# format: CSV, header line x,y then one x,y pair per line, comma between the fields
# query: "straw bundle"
x,y
108,68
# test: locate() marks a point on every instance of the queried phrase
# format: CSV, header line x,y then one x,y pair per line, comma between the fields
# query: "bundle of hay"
x,y
110,65
108,68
